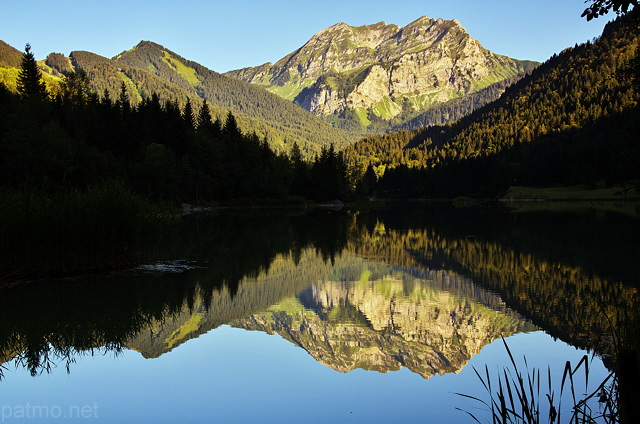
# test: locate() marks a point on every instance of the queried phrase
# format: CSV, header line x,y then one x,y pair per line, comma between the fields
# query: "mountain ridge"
x,y
383,71
255,106
573,120
150,68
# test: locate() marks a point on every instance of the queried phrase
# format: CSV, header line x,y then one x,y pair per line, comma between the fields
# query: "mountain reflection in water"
x,y
429,323
411,286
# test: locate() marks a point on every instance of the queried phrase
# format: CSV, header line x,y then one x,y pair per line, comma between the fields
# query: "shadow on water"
x,y
50,322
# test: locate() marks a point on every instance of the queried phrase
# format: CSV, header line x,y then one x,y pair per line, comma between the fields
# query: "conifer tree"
x,y
231,125
76,87
106,99
30,84
300,182
123,100
204,116
188,116
295,154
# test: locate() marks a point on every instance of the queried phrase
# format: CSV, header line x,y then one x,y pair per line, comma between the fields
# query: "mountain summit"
x,y
383,71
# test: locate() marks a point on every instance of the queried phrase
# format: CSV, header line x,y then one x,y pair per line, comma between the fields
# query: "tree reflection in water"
x,y
373,279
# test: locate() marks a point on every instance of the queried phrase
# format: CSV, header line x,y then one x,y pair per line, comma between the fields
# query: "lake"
x,y
360,315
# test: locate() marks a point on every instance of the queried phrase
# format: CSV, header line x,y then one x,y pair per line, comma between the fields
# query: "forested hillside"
x,y
256,109
162,150
573,120
9,56
149,68
10,59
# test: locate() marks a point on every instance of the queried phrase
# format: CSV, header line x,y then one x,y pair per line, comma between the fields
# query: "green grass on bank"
x,y
620,199
577,192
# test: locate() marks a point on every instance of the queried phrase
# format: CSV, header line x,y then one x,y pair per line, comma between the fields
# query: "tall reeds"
x,y
47,232
517,396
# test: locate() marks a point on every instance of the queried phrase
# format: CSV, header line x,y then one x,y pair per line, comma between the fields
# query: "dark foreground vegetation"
x,y
59,231
83,177
163,151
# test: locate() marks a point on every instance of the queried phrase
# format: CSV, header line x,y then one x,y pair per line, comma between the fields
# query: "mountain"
x,y
454,109
10,62
283,122
150,68
385,325
10,57
573,120
382,71
285,277
362,315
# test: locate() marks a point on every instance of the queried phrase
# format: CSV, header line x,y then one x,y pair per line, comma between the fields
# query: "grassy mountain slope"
x,y
150,68
10,62
459,107
255,108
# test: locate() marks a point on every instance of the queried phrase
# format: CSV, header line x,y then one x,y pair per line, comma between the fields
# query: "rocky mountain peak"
x,y
337,28
383,70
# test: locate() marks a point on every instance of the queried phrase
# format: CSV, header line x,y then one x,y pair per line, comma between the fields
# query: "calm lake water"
x,y
370,316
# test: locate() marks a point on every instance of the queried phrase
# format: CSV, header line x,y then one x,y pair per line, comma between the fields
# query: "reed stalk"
x,y
516,397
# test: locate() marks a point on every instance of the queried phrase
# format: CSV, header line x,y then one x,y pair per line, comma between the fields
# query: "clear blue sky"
x,y
226,35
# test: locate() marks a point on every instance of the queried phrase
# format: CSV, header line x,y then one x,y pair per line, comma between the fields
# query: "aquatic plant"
x,y
517,397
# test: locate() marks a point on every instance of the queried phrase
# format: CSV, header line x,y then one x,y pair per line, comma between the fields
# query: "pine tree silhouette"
x,y
30,84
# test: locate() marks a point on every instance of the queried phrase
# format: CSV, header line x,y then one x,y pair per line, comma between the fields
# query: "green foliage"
x,y
573,120
75,88
59,63
328,175
602,7
159,150
30,84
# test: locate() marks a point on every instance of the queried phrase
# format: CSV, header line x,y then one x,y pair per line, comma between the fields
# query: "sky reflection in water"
x,y
375,292
234,375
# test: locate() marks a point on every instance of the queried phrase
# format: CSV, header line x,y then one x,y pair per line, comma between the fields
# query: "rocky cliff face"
x,y
386,325
384,70
431,323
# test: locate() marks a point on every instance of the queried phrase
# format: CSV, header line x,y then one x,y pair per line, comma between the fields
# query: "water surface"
x,y
350,316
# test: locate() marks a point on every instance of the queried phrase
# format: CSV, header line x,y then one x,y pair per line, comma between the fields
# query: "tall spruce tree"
x,y
231,125
30,84
123,103
76,87
204,116
188,116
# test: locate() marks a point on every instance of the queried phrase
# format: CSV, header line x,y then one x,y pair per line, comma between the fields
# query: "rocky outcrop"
x,y
432,322
384,69
386,325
